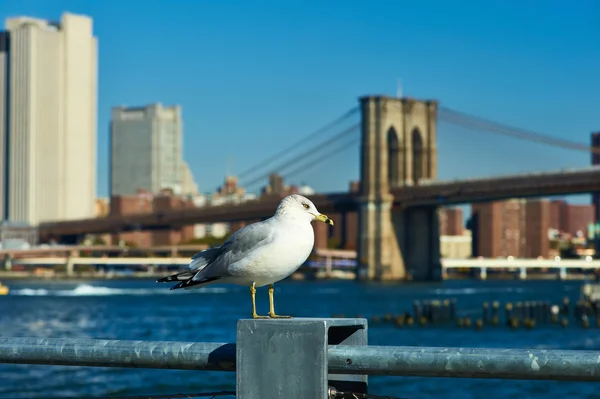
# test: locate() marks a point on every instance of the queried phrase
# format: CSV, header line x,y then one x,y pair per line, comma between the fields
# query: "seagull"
x,y
259,254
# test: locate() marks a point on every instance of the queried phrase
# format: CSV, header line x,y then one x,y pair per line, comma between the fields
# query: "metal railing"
x,y
306,358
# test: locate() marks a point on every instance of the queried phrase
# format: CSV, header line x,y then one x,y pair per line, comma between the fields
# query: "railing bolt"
x,y
331,393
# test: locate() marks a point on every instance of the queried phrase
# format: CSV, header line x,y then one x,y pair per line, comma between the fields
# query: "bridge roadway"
x,y
250,210
437,193
528,185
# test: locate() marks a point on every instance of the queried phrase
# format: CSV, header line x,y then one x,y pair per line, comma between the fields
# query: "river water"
x,y
144,310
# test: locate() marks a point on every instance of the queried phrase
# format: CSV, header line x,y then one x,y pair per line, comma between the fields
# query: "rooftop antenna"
x,y
399,88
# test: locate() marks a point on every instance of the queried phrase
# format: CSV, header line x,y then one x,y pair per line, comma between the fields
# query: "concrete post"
x,y
265,347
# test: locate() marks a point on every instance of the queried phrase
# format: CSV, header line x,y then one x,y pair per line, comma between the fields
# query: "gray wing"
x,y
213,262
204,258
199,262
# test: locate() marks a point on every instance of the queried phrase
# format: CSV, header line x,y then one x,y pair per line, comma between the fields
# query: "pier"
x,y
561,268
306,358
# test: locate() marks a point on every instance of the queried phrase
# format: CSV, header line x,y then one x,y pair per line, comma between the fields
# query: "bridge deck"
x,y
585,180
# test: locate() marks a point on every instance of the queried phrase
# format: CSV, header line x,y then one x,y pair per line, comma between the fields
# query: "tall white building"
x,y
48,105
146,150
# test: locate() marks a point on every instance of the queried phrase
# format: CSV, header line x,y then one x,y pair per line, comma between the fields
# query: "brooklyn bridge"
x,y
396,201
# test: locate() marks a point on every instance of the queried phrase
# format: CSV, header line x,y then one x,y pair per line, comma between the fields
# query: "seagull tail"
x,y
186,280
182,276
188,284
199,262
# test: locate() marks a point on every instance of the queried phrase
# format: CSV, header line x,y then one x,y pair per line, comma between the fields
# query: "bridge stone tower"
x,y
398,149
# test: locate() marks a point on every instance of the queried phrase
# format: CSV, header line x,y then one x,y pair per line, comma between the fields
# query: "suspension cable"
x,y
317,132
473,122
315,149
310,164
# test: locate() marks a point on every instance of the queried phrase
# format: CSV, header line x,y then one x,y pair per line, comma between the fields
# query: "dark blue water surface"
x,y
144,310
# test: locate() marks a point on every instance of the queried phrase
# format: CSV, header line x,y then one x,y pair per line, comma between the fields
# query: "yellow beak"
x,y
324,218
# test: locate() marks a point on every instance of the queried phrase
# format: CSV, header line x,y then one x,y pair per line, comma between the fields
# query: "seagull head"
x,y
299,207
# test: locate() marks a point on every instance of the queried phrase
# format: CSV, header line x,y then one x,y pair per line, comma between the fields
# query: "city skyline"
x,y
332,80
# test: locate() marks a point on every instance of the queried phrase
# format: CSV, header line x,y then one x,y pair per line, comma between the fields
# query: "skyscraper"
x,y
146,150
596,161
4,109
48,120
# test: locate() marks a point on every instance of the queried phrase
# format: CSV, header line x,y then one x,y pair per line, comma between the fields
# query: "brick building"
x,y
537,224
144,202
451,222
570,218
520,228
498,228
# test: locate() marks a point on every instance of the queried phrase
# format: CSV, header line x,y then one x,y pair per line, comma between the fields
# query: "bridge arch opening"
x,y
417,155
394,164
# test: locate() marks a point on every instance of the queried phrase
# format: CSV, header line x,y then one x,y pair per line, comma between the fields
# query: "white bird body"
x,y
267,264
259,254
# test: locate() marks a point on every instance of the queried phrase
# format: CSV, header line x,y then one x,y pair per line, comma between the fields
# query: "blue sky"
x,y
256,76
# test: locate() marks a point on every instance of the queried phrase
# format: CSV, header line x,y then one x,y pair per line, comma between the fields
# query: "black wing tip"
x,y
180,285
190,283
185,284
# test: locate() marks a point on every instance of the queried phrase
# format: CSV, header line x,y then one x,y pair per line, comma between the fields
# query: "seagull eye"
x,y
305,206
